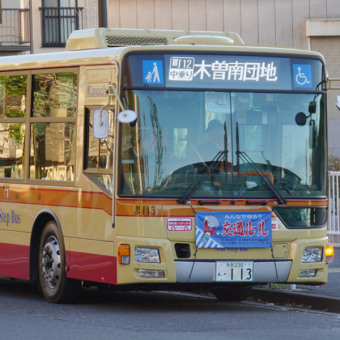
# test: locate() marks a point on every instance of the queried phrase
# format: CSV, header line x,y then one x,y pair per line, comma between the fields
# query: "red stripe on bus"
x,y
14,261
91,267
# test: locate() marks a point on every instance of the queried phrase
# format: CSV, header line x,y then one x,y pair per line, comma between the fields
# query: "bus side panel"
x,y
91,260
92,267
14,261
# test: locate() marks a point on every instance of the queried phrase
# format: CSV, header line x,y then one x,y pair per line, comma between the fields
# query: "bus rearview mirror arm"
x,y
124,116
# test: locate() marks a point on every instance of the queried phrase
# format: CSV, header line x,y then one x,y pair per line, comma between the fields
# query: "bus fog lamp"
x,y
312,255
147,255
151,274
308,273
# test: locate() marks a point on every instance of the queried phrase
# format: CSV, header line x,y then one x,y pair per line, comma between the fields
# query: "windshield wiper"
x,y
216,161
263,176
245,157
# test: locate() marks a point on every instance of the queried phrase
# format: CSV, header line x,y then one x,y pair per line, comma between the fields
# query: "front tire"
x,y
56,287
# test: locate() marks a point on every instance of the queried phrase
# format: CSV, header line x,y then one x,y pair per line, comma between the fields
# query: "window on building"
x,y
59,19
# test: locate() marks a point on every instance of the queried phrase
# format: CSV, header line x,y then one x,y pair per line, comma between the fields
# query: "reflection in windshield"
x,y
177,135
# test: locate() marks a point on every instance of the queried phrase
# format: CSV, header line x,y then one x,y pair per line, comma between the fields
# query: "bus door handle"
x,y
257,202
201,202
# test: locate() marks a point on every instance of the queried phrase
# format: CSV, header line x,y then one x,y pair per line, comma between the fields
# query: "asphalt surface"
x,y
325,297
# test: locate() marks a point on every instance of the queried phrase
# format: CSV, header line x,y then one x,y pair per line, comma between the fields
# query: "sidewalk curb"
x,y
310,301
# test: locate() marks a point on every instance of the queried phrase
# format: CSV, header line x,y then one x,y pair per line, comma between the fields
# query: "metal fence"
x,y
334,208
58,23
14,26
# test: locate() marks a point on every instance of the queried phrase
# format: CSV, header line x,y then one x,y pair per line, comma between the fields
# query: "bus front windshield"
x,y
223,145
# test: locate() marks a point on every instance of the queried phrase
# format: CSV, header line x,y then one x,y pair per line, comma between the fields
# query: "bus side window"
x,y
54,108
13,89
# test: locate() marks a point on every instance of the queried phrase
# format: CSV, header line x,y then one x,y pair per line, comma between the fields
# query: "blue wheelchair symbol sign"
x,y
302,75
152,72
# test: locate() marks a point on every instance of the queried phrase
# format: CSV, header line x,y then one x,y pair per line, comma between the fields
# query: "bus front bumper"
x,y
205,271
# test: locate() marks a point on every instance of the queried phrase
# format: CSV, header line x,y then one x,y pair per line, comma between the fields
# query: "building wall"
x,y
90,20
259,22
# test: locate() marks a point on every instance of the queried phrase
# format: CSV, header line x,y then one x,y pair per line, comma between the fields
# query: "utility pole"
x,y
104,13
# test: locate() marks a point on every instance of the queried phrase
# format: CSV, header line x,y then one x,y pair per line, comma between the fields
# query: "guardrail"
x,y
334,208
14,26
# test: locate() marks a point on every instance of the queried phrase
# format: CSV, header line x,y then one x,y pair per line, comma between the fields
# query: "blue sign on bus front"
x,y
233,230
153,72
302,75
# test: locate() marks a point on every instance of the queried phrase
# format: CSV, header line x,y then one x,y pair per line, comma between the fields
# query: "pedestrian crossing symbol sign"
x,y
153,72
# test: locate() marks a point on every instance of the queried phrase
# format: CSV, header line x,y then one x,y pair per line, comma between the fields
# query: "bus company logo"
x,y
97,90
153,72
8,218
179,224
302,75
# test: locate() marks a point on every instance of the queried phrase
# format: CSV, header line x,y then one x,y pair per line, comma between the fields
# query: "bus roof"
x,y
101,46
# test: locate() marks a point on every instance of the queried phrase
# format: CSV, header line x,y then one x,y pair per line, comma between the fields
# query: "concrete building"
x,y
305,24
43,26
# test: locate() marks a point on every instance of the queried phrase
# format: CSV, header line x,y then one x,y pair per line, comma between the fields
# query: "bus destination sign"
x,y
226,72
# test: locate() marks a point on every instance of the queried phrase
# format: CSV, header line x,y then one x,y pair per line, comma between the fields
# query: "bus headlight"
x,y
311,255
147,255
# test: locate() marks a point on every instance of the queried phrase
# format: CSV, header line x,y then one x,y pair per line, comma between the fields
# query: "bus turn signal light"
x,y
124,254
329,253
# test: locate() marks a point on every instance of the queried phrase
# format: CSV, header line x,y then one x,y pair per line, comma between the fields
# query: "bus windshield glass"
x,y
224,143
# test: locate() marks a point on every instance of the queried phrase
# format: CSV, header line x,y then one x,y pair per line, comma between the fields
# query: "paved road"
x,y
324,297
24,314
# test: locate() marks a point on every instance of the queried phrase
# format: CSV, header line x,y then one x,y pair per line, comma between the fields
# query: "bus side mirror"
x,y
312,134
301,119
338,102
312,107
127,116
100,123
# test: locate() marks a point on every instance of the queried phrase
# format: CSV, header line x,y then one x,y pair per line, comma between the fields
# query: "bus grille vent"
x,y
122,40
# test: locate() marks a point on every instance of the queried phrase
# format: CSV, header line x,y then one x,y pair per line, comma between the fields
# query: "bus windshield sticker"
x,y
302,75
153,72
179,223
233,229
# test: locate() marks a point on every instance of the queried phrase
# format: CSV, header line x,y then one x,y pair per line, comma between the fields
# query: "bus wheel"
x,y
56,287
231,294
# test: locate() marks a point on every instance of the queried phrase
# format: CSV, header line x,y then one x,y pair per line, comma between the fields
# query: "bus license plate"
x,y
234,271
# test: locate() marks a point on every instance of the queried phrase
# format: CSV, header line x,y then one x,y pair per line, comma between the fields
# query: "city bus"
x,y
153,159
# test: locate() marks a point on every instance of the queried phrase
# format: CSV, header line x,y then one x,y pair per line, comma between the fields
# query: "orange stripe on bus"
x,y
56,197
170,207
